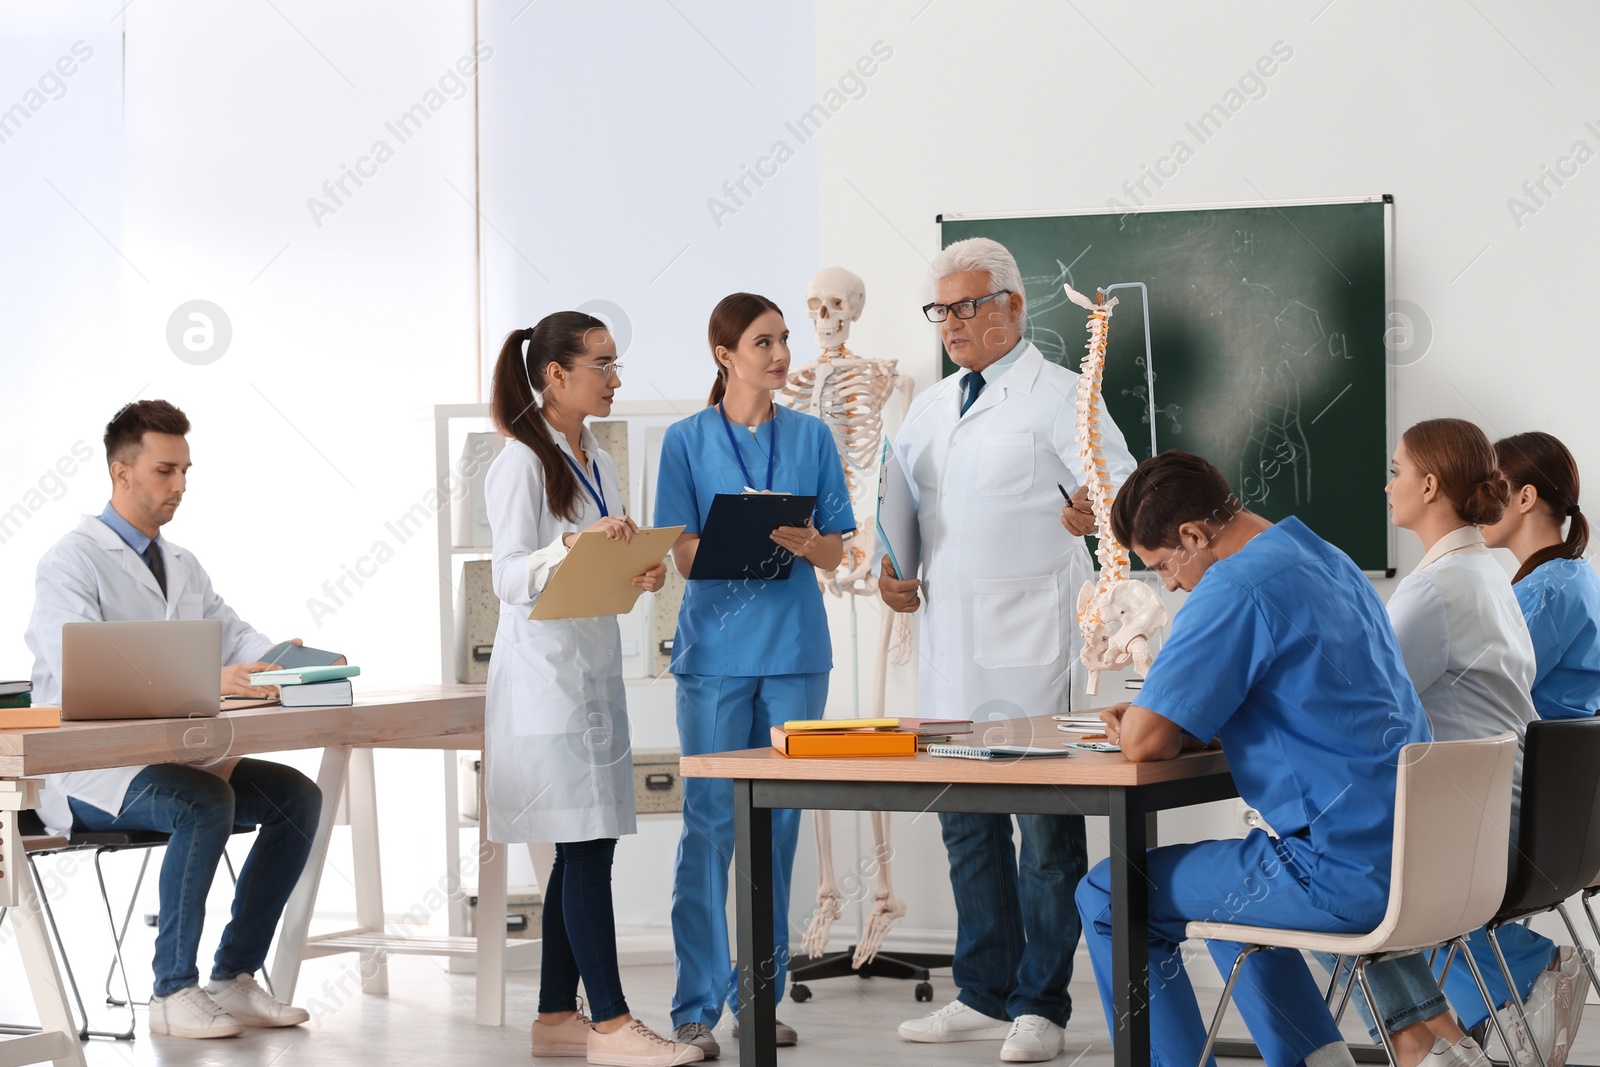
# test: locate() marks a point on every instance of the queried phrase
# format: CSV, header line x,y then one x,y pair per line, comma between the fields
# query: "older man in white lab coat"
x,y
985,451
117,567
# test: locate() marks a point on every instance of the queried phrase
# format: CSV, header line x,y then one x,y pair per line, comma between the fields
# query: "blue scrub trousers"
x,y
1223,881
720,714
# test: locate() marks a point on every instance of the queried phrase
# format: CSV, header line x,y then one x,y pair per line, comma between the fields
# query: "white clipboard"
x,y
897,516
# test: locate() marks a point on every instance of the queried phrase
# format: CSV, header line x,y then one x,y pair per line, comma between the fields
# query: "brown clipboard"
x,y
597,576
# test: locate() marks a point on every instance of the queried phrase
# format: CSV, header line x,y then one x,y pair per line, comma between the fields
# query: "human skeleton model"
x,y
1116,616
851,395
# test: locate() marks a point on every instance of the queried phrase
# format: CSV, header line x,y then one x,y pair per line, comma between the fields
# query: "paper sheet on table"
x,y
897,516
597,576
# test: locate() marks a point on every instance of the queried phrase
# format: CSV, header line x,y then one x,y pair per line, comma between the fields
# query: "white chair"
x,y
1448,873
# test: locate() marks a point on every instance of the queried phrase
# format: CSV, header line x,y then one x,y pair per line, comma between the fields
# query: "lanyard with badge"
x,y
772,456
594,490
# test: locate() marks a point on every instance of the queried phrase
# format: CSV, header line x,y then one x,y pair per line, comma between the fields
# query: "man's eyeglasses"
x,y
961,309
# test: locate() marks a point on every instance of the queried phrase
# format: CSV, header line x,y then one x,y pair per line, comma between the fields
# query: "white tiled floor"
x,y
428,1019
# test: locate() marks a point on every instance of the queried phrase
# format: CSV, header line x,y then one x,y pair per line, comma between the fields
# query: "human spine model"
x,y
1116,616
852,395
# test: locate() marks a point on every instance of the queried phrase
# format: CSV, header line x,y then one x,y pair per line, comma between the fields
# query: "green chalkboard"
x,y
1267,343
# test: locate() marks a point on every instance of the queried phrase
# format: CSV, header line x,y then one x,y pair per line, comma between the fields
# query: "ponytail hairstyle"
x,y
519,380
1540,460
1459,455
729,320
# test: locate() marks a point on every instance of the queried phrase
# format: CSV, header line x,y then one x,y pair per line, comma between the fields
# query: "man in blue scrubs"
x,y
1283,652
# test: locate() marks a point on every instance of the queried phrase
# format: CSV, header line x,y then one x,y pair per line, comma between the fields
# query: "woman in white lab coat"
x,y
556,741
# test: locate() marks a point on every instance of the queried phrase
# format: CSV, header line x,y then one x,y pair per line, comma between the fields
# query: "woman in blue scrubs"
x,y
1557,588
748,655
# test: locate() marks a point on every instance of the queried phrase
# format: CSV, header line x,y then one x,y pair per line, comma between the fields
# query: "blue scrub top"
x,y
1561,601
1284,651
751,627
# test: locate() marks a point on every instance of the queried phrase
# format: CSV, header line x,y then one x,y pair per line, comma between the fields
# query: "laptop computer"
x,y
140,670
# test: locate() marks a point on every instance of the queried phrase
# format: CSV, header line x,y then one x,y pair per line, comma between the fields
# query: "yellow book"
x,y
851,743
841,724
40,717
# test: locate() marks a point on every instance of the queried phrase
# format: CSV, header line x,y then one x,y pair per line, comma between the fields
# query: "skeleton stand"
x,y
851,394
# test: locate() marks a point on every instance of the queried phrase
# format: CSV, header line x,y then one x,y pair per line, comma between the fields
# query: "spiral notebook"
x,y
995,751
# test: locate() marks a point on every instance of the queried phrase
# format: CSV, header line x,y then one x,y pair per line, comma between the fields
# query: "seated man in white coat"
x,y
985,450
117,567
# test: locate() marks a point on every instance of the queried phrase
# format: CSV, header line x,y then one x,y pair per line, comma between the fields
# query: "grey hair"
x,y
982,254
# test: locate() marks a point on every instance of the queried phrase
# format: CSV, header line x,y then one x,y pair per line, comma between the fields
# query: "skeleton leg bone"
x,y
886,907
829,906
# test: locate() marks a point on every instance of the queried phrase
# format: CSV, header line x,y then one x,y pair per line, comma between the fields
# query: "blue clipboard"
x,y
736,543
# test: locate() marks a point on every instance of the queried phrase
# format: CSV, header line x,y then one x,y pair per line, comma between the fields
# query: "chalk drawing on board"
x,y
1276,447
1147,406
1049,342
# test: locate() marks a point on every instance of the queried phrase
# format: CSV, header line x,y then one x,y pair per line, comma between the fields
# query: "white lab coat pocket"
x,y
192,606
1005,464
1016,622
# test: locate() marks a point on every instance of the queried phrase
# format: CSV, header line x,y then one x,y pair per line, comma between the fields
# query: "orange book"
x,y
844,742
29,718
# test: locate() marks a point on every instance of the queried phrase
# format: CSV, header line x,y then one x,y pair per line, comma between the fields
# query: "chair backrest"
x,y
1451,823
1558,837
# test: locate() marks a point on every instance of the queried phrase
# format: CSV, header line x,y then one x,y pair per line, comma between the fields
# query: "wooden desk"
x,y
1083,784
425,716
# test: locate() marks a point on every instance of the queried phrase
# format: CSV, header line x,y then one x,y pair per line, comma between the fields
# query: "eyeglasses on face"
x,y
961,309
607,369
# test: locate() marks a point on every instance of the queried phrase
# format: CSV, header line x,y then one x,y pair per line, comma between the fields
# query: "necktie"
x,y
971,385
158,566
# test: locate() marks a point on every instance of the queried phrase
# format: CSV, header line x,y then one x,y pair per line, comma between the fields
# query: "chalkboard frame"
x,y
1389,338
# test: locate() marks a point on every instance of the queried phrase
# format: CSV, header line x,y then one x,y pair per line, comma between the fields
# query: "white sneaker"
x,y
1033,1039
1540,1009
1464,1053
955,1022
245,1000
191,1013
1571,990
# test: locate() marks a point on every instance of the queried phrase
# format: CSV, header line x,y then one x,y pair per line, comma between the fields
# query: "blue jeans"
x,y
1016,924
200,809
719,714
1527,954
1243,882
1405,990
580,932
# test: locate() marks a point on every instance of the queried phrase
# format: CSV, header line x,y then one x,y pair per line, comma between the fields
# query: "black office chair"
x,y
1558,842
38,843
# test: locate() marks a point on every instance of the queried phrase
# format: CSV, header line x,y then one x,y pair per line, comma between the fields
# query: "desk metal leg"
x,y
752,878
1130,936
368,868
297,914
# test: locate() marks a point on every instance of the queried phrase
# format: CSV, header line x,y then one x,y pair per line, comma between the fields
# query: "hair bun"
x,y
1486,503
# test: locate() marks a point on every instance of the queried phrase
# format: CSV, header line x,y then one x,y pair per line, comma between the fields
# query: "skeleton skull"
x,y
834,299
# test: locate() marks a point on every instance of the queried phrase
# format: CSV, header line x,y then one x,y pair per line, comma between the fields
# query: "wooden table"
x,y
1083,784
426,716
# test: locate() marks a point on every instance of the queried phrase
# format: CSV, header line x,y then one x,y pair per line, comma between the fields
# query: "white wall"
x,y
1035,106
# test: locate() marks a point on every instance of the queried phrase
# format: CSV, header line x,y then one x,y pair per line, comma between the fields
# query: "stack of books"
x,y
311,687
17,711
863,737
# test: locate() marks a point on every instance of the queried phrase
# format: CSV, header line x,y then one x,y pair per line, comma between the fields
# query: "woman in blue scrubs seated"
x,y
1261,656
750,654
1468,653
1557,588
